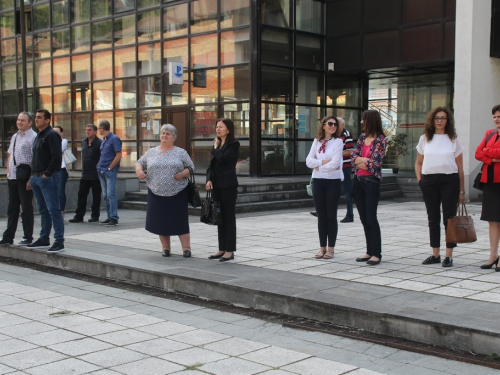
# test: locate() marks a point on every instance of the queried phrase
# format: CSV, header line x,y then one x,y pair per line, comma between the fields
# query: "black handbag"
x,y
477,181
23,171
194,198
210,210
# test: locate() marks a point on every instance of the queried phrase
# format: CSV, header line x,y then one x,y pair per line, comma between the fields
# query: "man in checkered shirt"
x,y
20,193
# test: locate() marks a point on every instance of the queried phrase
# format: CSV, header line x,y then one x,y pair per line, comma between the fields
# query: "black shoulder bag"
x,y
23,171
477,181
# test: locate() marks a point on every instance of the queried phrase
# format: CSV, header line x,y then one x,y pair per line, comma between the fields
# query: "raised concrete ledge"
x,y
443,321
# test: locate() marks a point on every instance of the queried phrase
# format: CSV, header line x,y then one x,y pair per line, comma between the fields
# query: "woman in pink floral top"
x,y
367,158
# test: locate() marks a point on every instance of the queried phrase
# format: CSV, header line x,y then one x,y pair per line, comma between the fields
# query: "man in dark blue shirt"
x,y
47,158
91,153
107,169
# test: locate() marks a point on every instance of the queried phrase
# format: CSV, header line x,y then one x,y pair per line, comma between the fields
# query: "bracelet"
x,y
462,192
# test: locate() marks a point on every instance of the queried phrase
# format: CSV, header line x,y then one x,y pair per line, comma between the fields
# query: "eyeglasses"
x,y
329,123
440,118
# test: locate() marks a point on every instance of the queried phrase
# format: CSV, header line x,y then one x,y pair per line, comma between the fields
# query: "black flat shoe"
x,y
165,253
362,259
222,259
186,253
215,256
373,262
488,266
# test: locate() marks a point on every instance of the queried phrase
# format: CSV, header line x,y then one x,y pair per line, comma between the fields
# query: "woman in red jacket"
x,y
488,152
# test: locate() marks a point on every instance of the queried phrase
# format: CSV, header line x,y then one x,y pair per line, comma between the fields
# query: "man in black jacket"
x,y
47,158
91,152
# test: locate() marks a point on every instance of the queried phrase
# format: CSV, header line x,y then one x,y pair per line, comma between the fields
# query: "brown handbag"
x,y
461,227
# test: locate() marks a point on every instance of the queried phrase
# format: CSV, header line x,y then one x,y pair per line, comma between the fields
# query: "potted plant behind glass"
x,y
397,149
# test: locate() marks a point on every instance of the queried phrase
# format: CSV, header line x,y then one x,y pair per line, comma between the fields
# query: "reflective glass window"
x,y
60,13
235,47
8,24
309,87
43,73
125,93
175,20
60,42
80,120
302,149
204,51
124,30
149,124
148,26
61,70
149,58
80,68
150,91
276,47
343,92
9,77
307,120
103,96
276,157
43,44
243,162
8,50
203,16
129,156
352,118
29,47
6,4
309,52
203,122
124,5
276,13
141,4
101,8
81,97
276,84
62,98
80,10
175,94
44,98
99,116
10,102
101,34
309,16
29,77
204,85
145,146
201,152
63,121
41,17
126,125
234,13
240,114
235,83
80,38
102,65
277,120
175,50
125,62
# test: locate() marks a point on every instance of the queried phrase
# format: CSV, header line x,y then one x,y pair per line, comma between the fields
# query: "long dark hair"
x,y
372,123
321,131
230,126
430,130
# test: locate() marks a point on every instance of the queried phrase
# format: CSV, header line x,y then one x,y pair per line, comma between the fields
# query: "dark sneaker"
x,y
432,260
25,242
347,219
93,219
6,242
76,220
57,247
111,223
314,213
39,244
447,262
105,221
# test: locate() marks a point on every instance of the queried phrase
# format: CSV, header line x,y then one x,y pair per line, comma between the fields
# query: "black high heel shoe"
x,y
488,266
216,256
222,259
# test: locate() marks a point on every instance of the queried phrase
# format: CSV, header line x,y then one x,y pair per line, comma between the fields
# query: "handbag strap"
x,y
14,149
487,140
191,176
461,208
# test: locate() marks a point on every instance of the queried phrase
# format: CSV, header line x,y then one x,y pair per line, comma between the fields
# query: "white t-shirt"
x,y
439,154
333,152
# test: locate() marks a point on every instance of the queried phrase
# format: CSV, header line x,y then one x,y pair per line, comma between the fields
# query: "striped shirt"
x,y
348,145
24,151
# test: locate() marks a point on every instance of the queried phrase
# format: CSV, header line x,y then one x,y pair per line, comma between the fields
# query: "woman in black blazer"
x,y
221,177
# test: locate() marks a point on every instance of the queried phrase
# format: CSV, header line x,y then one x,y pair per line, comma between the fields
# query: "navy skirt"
x,y
167,216
491,202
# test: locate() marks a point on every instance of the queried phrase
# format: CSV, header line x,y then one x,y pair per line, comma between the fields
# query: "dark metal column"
x,y
22,24
255,147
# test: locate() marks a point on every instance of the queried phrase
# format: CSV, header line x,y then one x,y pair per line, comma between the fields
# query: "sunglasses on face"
x,y
330,123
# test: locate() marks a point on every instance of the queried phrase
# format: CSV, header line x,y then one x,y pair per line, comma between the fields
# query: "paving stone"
x,y
14,346
137,320
198,337
473,285
31,328
166,329
125,337
276,372
108,313
453,292
150,366
80,347
6,369
274,356
157,347
71,366
232,366
68,320
6,300
235,346
31,358
318,366
52,337
193,356
105,372
39,295
95,328
112,357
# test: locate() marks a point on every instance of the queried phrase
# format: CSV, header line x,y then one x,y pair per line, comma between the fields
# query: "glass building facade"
x,y
263,63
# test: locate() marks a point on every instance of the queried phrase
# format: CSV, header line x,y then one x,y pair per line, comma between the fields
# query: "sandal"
x,y
165,253
320,255
328,254
186,253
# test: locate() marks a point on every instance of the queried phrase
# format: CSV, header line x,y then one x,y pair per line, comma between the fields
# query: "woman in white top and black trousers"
x,y
325,158
440,174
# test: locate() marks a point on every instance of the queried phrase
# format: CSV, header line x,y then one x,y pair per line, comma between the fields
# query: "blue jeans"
x,y
347,187
108,185
366,194
47,196
326,195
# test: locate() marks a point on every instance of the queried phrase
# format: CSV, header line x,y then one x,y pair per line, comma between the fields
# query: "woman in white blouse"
x,y
440,175
325,158
168,168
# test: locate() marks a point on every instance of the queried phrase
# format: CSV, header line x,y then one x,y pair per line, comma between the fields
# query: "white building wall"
x,y
477,81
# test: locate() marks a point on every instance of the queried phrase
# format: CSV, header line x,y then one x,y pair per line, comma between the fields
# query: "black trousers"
x,y
227,230
18,196
83,192
326,195
440,190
